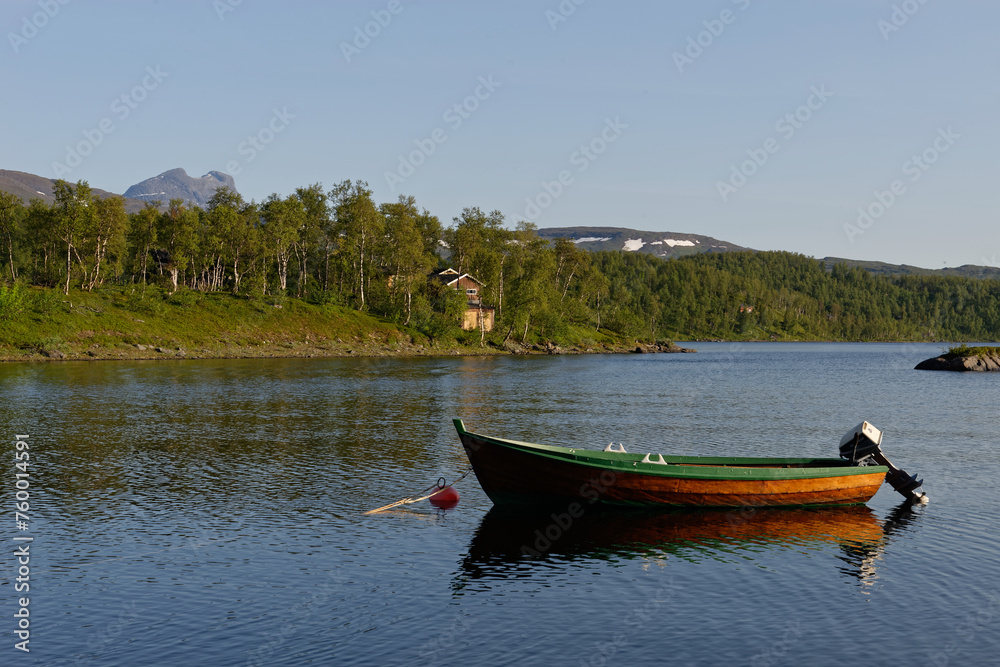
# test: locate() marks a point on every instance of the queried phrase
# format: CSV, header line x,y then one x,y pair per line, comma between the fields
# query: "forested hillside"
x,y
780,295
341,248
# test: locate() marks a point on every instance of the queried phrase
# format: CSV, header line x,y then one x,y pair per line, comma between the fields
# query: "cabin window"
x,y
471,291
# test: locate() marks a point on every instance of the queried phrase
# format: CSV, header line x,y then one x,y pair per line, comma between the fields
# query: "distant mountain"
x,y
176,184
29,186
675,244
173,184
661,244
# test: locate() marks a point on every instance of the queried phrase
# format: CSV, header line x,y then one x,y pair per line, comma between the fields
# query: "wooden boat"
x,y
524,473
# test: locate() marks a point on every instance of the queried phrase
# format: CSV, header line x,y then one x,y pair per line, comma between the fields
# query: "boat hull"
x,y
517,473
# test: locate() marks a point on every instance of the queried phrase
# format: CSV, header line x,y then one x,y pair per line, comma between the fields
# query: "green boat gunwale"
x,y
693,467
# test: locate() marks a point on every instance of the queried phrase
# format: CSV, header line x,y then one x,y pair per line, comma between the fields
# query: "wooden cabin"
x,y
478,314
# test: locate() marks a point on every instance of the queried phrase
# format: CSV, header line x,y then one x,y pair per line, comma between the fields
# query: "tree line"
x,y
336,246
339,246
787,296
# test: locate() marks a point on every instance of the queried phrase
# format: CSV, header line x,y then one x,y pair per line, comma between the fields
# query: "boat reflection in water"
x,y
860,557
508,540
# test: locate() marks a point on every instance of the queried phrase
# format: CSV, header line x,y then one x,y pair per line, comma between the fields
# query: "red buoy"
x,y
445,497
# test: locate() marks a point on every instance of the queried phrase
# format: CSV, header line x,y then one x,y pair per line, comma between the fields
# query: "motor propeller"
x,y
862,446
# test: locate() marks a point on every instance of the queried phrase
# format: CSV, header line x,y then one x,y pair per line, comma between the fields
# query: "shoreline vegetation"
x,y
122,324
964,350
334,273
43,324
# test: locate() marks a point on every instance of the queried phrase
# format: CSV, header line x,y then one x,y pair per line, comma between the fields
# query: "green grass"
x,y
113,322
964,350
127,323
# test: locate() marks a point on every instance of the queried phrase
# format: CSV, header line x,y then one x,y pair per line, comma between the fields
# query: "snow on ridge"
x,y
592,239
672,243
631,245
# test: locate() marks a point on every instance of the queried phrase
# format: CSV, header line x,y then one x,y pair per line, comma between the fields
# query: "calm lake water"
x,y
210,513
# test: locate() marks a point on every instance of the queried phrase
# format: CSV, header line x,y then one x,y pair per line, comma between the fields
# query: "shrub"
x,y
11,301
964,350
151,304
186,298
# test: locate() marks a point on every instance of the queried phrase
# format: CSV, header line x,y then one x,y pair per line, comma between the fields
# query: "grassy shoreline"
x,y
127,324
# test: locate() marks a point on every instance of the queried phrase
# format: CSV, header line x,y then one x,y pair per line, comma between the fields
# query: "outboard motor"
x,y
861,446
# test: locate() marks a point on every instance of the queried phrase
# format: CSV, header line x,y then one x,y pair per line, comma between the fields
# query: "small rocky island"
x,y
964,358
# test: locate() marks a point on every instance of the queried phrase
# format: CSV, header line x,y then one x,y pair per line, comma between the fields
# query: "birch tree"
x,y
283,220
12,212
360,225
406,253
314,233
177,231
73,212
109,223
142,237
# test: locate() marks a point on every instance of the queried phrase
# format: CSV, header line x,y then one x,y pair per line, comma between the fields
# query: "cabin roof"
x,y
451,276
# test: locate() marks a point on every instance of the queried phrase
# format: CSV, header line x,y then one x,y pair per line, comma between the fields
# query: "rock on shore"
x,y
960,363
661,347
514,347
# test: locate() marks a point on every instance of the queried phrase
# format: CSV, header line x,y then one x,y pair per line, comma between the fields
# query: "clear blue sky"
x,y
833,99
